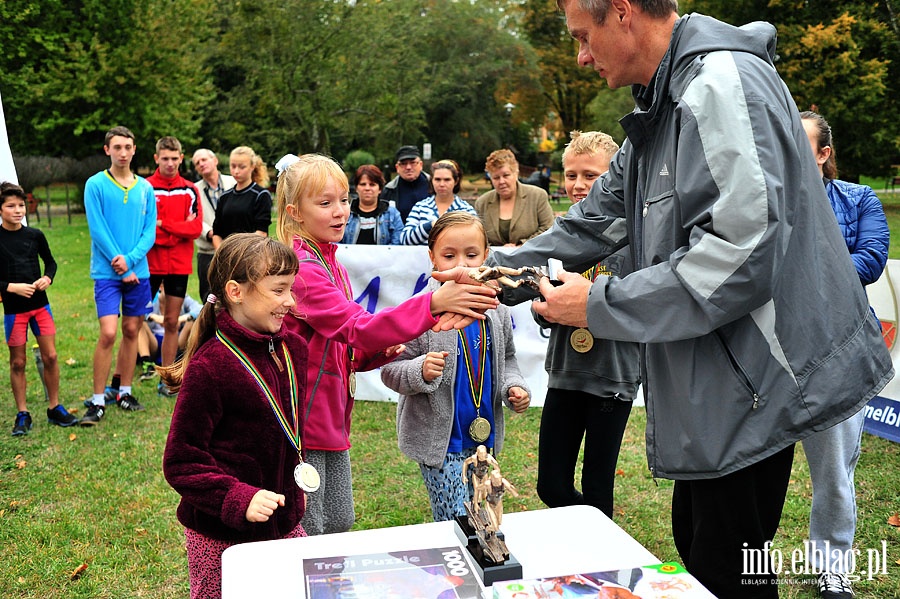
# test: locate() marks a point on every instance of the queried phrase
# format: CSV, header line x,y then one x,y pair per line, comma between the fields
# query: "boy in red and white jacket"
x,y
179,222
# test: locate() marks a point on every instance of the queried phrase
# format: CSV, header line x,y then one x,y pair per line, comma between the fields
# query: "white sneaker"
x,y
833,585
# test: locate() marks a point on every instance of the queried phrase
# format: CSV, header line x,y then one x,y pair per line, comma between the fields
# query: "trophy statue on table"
x,y
480,528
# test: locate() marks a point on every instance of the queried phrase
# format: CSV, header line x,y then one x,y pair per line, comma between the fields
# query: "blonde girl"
x,y
247,207
313,207
453,384
234,444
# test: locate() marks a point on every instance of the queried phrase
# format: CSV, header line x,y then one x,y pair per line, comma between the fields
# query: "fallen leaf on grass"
x,y
20,464
21,580
72,436
140,531
894,520
76,315
71,361
78,571
620,472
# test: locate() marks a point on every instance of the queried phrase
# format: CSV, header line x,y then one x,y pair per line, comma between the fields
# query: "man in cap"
x,y
410,185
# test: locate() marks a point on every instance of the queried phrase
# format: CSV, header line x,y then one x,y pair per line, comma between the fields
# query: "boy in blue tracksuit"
x,y
121,215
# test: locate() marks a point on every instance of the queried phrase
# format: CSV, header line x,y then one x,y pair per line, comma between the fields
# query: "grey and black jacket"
x,y
755,330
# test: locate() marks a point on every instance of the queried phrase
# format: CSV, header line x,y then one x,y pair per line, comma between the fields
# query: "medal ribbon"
x,y
291,429
321,258
467,358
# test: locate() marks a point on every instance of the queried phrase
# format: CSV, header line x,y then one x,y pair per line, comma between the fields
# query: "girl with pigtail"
x,y
234,450
313,208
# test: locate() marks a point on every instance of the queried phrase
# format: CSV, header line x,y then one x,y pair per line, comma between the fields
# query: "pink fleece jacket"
x,y
332,324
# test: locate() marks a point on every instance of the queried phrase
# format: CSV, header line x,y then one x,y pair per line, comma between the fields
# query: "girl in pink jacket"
x,y
313,208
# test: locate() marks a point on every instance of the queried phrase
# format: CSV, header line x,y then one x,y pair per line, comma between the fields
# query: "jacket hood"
x,y
693,37
380,208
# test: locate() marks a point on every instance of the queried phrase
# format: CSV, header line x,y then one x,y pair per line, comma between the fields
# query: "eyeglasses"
x,y
409,163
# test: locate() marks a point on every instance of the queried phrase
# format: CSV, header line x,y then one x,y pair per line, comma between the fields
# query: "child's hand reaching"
x,y
394,351
263,505
518,399
433,365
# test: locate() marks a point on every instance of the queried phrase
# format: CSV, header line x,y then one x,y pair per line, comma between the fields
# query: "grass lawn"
x,y
97,496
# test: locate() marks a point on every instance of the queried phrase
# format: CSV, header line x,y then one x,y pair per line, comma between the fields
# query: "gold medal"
x,y
306,476
480,429
581,340
351,384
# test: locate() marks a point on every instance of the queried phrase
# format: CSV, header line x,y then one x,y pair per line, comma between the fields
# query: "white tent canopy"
x,y
7,168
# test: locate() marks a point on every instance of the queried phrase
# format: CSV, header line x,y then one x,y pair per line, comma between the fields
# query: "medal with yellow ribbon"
x,y
305,475
581,339
480,428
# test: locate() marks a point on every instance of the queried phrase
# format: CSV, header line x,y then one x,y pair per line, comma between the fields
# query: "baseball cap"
x,y
407,153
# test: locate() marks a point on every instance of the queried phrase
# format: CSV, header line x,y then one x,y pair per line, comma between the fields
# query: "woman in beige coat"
x,y
512,212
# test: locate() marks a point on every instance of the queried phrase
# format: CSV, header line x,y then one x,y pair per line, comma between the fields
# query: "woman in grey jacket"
x,y
448,407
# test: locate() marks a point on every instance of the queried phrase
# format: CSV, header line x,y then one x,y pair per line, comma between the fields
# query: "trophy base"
x,y
488,552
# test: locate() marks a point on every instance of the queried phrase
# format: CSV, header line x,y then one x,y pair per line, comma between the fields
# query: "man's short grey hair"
x,y
203,152
599,8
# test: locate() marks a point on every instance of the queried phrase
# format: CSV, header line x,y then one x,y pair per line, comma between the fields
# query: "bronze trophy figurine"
x,y
480,528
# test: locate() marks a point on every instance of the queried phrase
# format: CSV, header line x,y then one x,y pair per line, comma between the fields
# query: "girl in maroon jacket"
x,y
234,447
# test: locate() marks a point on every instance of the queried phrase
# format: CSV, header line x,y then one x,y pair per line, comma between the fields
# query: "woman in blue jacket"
x,y
372,221
832,454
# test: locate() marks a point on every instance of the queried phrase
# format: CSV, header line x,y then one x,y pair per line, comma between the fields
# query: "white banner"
x,y
387,275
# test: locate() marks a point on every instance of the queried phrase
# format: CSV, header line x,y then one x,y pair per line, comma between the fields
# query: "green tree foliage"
x,y
568,87
72,69
366,74
840,58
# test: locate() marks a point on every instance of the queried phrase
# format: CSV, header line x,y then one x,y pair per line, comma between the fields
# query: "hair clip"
x,y
286,161
211,299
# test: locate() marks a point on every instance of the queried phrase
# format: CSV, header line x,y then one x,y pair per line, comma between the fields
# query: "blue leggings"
x,y
446,489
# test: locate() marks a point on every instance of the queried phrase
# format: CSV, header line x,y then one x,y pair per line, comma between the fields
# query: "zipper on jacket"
x,y
274,355
738,370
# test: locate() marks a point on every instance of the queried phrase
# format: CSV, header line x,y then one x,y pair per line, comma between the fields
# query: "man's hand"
x,y
131,279
566,304
42,283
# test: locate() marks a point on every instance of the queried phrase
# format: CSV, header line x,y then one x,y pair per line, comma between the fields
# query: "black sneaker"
x,y
93,415
109,397
23,424
60,417
149,371
833,585
130,403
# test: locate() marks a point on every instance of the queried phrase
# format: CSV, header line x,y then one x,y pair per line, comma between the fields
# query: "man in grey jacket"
x,y
744,297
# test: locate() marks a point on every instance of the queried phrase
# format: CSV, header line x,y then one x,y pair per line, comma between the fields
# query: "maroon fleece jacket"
x,y
225,443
